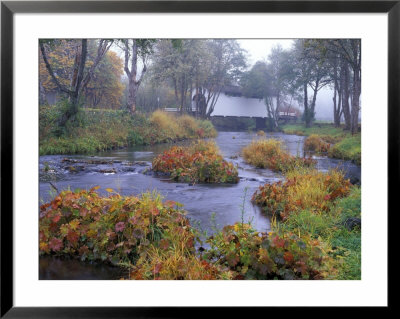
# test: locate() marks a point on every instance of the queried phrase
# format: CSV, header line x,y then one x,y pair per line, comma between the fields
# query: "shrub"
x,y
189,124
199,162
312,190
260,133
114,228
314,143
247,254
269,153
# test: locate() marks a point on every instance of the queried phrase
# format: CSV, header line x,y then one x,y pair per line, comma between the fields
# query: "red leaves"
x,y
73,237
278,242
157,268
164,244
55,244
56,218
119,227
170,203
288,256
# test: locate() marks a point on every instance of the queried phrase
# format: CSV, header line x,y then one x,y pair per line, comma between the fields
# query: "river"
x,y
127,172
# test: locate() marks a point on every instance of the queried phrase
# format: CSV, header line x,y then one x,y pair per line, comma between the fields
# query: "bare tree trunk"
x,y
346,94
355,102
306,109
131,56
42,94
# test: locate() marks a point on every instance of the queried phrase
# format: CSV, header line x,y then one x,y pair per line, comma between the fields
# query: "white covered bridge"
x,y
241,107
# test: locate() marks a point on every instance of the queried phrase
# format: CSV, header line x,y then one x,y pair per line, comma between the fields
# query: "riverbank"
x,y
153,239
343,145
209,206
98,130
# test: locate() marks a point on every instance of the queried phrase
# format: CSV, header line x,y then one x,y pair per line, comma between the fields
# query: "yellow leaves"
x,y
44,246
74,224
110,190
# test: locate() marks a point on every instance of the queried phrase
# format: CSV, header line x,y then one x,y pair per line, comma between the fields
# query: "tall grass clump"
x,y
309,190
269,153
314,143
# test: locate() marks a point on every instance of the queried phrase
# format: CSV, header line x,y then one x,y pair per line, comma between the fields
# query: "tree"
x,y
79,75
258,83
105,90
226,64
179,63
349,52
134,49
311,70
200,66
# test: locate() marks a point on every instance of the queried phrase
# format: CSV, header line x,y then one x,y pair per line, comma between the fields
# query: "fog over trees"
x,y
320,78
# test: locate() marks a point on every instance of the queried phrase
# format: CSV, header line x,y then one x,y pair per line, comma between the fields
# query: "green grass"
x,y
348,148
319,129
345,245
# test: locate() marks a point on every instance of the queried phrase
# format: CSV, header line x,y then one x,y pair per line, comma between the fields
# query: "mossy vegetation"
x,y
98,130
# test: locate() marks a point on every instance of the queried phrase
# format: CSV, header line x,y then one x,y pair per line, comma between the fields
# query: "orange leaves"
x,y
288,256
278,242
72,237
94,189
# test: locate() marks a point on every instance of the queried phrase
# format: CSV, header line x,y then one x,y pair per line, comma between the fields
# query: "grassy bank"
x,y
153,239
99,130
320,206
343,144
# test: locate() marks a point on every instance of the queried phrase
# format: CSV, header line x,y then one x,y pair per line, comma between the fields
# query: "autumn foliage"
x,y
200,162
154,240
114,228
244,253
312,190
269,153
315,143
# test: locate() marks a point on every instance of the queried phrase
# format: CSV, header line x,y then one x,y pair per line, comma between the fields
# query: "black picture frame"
x,y
9,8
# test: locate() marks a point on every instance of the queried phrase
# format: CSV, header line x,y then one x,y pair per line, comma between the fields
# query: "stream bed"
x,y
127,171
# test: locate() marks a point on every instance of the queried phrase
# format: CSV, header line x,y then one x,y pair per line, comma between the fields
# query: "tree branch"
x,y
50,70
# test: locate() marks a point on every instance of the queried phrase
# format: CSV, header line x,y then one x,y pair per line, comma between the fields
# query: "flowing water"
x,y
127,172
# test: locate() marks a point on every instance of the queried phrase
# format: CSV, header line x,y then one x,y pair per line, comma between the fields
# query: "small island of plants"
x,y
269,153
198,163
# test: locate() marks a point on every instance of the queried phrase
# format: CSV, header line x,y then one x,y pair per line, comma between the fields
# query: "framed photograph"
x,y
162,155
